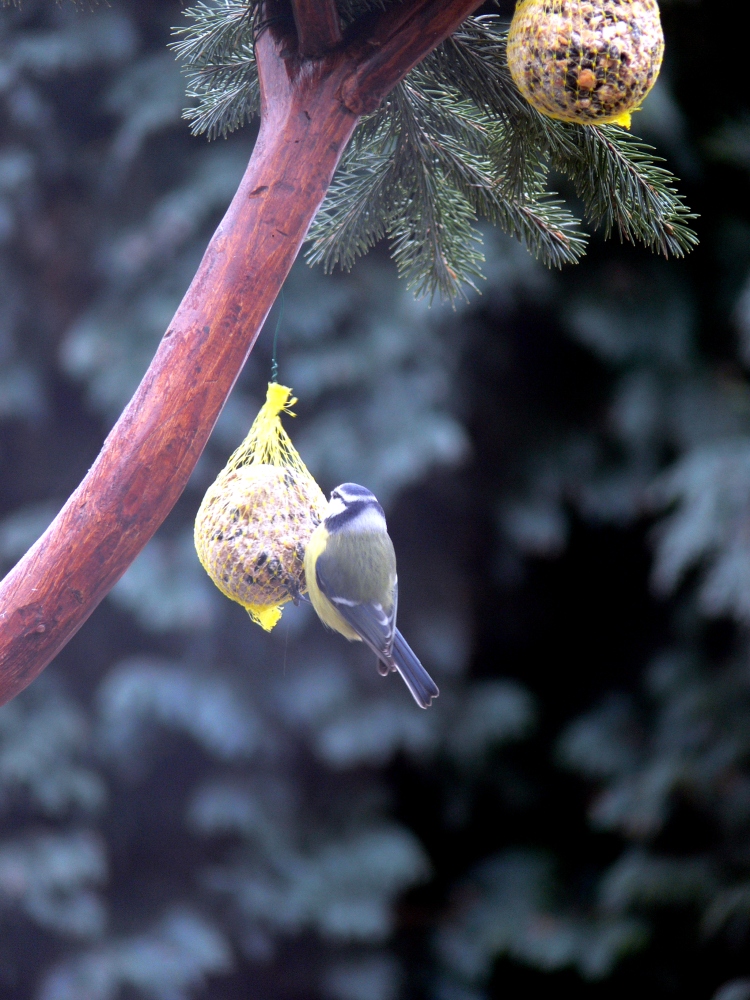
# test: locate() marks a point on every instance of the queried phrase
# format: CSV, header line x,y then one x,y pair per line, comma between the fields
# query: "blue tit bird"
x,y
350,568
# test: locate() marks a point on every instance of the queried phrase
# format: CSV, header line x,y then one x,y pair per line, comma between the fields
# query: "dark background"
x,y
189,807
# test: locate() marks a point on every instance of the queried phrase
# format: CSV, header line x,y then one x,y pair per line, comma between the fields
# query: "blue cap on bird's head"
x,y
353,493
350,502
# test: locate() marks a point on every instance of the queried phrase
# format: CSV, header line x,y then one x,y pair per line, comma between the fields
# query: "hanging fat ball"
x,y
256,519
586,61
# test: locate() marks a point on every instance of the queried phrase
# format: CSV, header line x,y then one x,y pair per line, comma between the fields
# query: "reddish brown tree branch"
x,y
397,44
308,114
318,27
148,456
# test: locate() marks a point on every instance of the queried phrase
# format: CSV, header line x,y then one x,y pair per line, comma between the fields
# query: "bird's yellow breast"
x,y
325,610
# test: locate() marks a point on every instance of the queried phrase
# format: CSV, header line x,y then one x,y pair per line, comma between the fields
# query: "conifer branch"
x,y
624,190
318,27
459,118
217,52
421,170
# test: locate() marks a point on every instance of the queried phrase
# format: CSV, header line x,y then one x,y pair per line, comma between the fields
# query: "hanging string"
x,y
274,361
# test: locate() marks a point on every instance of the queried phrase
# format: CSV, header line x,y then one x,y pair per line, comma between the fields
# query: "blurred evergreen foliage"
x,y
192,808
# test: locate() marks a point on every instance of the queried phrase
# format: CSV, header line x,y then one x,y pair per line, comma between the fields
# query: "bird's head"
x,y
353,506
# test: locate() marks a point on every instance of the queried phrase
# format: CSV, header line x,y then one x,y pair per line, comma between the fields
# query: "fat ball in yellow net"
x,y
256,518
586,61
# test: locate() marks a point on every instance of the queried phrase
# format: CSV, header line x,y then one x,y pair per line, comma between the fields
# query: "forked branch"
x,y
309,110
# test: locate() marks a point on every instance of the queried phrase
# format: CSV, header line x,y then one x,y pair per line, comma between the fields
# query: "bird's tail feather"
x,y
419,682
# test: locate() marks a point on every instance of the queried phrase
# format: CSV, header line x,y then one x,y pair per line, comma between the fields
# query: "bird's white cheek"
x,y
335,506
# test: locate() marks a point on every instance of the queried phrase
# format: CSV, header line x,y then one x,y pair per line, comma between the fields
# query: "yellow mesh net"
x,y
256,518
586,61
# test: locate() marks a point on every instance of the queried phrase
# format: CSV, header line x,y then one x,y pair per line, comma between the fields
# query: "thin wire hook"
x,y
274,361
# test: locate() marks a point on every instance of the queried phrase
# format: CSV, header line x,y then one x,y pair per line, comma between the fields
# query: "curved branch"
x,y
150,453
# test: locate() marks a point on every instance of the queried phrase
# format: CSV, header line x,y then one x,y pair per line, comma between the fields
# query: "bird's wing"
x,y
370,621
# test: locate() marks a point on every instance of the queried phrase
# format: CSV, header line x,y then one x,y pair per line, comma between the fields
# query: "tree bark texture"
x,y
309,111
318,27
